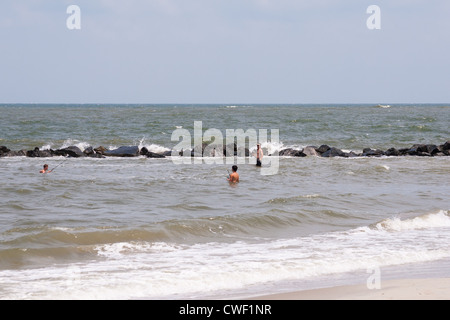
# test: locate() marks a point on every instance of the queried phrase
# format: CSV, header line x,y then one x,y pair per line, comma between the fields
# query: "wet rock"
x,y
333,152
167,153
392,152
423,154
149,154
310,151
368,152
3,150
232,149
351,154
445,148
289,152
124,151
323,148
100,150
154,155
72,151
36,153
89,151
414,150
144,151
33,153
11,153
425,148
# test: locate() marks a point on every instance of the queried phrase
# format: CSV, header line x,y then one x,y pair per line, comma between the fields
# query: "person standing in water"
x,y
45,170
234,176
259,155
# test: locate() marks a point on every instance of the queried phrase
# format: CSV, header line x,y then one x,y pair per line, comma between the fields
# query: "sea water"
x,y
142,228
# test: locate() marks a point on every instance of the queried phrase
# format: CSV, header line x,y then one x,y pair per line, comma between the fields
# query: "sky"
x,y
225,51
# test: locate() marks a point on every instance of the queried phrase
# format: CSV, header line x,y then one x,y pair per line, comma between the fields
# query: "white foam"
x,y
156,148
46,147
269,147
431,220
157,270
234,107
82,145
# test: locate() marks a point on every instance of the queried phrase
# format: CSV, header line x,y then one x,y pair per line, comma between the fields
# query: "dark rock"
x,y
144,151
72,151
351,154
125,151
46,153
333,152
367,152
154,155
403,151
89,151
432,149
323,148
418,149
100,150
423,154
310,151
428,148
20,153
233,148
230,149
413,150
445,146
33,153
4,150
149,154
392,152
291,153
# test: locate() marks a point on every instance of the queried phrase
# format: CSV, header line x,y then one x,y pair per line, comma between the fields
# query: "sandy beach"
x,y
402,289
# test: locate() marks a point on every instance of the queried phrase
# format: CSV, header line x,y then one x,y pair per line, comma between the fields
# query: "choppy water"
x,y
120,228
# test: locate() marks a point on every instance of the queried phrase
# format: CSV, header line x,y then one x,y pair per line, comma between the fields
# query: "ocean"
x,y
145,228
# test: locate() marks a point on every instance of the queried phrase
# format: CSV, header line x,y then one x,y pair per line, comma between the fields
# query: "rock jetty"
x,y
325,151
420,150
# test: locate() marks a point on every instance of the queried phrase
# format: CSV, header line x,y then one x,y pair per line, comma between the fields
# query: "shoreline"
x,y
399,289
417,281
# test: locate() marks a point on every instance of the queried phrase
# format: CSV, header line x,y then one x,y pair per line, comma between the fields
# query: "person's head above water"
x,y
235,167
45,170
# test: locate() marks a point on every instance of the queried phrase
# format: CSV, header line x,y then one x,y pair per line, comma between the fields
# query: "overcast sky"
x,y
224,51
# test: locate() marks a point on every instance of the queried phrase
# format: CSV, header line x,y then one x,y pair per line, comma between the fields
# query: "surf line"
x,y
194,150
